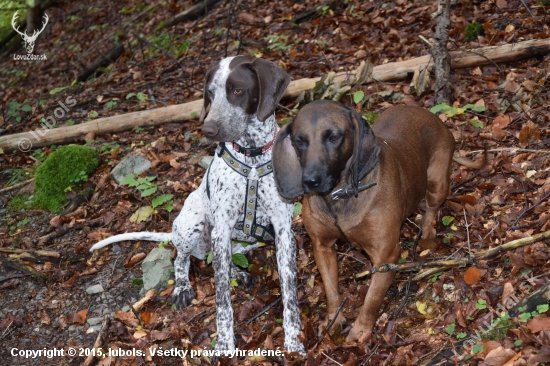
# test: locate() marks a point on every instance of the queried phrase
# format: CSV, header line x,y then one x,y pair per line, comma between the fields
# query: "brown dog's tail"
x,y
472,164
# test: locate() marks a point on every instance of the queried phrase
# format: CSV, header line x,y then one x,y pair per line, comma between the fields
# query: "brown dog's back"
x,y
414,127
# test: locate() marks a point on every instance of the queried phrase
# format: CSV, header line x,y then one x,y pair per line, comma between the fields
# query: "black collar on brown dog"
x,y
348,191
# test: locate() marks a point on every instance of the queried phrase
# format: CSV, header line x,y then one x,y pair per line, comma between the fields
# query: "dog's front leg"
x,y
191,236
385,250
221,261
286,262
327,263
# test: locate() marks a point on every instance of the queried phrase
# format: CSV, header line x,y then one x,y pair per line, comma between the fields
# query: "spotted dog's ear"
x,y
287,170
207,79
272,82
365,148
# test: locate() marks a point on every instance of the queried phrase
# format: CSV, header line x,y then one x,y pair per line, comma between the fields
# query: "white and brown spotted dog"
x,y
241,94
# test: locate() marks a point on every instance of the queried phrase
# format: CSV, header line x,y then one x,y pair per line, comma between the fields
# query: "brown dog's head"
x,y
325,143
239,91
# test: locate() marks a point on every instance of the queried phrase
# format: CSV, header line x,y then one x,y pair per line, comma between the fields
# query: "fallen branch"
x,y
100,341
15,186
43,240
443,265
190,14
191,110
108,58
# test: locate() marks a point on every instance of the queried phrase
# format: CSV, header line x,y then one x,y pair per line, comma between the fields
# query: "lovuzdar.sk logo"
x,y
29,40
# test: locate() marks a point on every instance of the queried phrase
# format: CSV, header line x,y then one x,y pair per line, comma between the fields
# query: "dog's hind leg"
x,y
437,190
190,236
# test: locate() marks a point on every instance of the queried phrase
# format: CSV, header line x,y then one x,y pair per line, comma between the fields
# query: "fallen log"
x,y
190,14
187,111
105,60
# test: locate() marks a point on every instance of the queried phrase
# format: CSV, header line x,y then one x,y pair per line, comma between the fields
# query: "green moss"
x,y
473,30
137,282
18,202
60,170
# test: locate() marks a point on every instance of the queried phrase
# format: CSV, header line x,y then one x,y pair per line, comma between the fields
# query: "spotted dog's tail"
x,y
132,236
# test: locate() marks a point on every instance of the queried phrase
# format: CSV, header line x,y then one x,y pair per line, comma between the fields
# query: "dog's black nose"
x,y
209,130
312,181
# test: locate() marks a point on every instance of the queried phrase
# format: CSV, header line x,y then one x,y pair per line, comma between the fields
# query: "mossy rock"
x,y
60,170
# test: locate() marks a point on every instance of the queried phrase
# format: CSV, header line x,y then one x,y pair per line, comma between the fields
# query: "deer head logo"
x,y
29,40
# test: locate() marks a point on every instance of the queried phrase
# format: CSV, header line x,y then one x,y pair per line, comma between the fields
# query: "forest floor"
x,y
506,200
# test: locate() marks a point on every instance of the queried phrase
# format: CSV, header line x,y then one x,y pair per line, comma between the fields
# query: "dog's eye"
x,y
299,143
334,138
237,91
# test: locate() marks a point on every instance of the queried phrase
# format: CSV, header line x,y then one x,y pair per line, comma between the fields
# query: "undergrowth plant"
x,y
451,111
147,188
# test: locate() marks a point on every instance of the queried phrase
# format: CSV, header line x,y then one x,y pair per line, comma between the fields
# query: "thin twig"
x,y
7,328
330,323
527,210
513,150
527,8
467,231
330,358
278,300
408,285
422,38
372,353
15,186
490,232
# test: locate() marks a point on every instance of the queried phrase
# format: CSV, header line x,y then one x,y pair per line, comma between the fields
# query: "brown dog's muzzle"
x,y
315,178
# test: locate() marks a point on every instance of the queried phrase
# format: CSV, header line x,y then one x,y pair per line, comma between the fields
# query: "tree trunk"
x,y
443,89
34,16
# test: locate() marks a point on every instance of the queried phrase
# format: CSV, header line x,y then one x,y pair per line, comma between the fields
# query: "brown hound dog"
x,y
330,154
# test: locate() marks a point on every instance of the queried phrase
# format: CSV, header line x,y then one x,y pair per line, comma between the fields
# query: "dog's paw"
x,y
183,296
292,346
359,334
224,348
340,320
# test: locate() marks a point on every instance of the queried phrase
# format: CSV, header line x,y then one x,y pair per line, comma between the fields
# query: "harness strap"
x,y
253,176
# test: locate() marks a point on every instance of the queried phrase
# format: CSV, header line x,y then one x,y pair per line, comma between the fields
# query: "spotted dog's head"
x,y
237,92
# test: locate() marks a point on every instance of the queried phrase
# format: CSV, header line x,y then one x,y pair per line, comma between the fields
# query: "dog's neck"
x,y
258,133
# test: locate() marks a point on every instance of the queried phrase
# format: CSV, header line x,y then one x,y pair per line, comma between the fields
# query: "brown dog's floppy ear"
x,y
287,170
206,98
272,81
365,149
